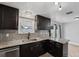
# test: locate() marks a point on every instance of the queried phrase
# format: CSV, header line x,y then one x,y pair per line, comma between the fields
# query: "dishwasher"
x,y
10,52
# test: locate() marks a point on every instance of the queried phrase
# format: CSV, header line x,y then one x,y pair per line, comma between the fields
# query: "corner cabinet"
x,y
57,49
8,17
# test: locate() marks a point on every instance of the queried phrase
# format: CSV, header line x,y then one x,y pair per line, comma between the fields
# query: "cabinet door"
x,y
25,51
59,49
52,49
45,45
37,49
9,20
43,23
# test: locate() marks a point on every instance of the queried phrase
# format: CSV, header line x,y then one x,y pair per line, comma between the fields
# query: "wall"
x,y
13,35
58,30
71,31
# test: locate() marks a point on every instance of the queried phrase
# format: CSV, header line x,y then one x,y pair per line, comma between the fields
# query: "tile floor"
x,y
73,50
46,55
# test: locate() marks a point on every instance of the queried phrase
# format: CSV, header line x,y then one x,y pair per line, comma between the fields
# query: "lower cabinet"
x,y
25,51
52,49
32,50
36,49
45,45
57,49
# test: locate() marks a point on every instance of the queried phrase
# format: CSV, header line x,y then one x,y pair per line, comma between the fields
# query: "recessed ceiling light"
x,y
58,4
28,12
69,12
60,8
76,18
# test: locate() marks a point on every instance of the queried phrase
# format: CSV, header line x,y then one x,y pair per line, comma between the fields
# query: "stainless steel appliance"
x,y
10,52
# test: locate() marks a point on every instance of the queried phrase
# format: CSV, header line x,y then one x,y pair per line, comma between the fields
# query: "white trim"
x,y
74,43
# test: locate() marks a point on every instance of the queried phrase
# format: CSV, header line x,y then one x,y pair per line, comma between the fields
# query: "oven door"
x,y
10,52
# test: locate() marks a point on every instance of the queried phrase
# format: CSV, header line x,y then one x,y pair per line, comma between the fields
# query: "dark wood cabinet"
x,y
32,50
58,49
45,44
43,23
8,17
36,49
52,49
25,50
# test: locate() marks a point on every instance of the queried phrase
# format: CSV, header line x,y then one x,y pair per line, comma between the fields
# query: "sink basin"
x,y
29,40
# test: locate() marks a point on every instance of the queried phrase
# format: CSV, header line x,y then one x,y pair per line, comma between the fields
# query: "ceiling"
x,y
49,9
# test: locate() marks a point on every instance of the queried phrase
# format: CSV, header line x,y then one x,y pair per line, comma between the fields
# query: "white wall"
x,y
71,31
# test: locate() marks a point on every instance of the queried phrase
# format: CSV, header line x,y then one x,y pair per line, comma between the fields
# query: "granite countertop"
x,y
25,41
63,41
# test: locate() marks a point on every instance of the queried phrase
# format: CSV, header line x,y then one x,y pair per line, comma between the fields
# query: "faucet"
x,y
28,37
49,32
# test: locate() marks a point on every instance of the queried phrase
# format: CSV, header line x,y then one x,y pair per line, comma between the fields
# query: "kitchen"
x,y
27,31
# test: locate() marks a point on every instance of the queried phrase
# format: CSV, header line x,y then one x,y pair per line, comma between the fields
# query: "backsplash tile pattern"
x,y
13,35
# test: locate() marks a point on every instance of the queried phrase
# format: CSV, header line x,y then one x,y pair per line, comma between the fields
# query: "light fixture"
x,y
58,4
28,12
60,7
76,18
69,12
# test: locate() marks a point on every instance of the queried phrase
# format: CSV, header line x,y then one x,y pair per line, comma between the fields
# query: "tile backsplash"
x,y
9,35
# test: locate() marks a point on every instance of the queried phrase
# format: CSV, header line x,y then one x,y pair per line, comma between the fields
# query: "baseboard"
x,y
74,43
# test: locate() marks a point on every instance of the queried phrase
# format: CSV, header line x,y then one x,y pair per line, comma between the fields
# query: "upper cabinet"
x,y
8,17
43,23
